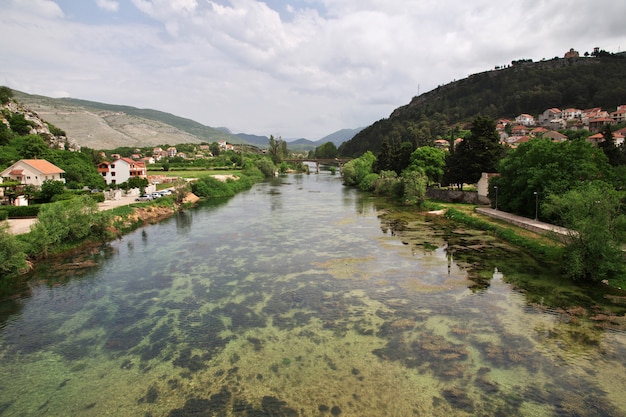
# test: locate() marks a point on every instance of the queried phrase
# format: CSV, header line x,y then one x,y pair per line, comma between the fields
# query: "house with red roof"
x,y
121,170
33,172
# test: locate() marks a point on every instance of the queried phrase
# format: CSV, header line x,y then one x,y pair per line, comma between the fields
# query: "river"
x,y
301,297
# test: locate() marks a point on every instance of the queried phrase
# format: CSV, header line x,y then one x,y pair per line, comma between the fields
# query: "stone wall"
x,y
456,196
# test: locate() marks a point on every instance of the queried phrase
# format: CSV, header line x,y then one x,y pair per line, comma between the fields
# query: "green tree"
x,y
6,94
613,153
355,170
594,213
67,222
479,152
5,134
19,124
326,151
431,161
214,148
135,182
414,186
12,254
33,146
547,168
266,166
277,149
49,189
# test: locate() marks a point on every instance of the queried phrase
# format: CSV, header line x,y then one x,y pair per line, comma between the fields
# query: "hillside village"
x,y
548,124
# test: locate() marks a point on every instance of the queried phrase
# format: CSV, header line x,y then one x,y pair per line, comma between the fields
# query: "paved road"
x,y
19,226
529,224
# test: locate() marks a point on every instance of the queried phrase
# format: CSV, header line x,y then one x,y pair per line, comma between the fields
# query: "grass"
x,y
535,243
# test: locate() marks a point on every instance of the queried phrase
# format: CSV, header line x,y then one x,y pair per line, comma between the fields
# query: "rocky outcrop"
x,y
39,126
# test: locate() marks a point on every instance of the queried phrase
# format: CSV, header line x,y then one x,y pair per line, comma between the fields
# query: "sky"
x,y
288,68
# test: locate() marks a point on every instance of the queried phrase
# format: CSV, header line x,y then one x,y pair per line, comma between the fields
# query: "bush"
x,y
266,167
354,171
67,222
16,212
368,183
12,255
210,187
4,214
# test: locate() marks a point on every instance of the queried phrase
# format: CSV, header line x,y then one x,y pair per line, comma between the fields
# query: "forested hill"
x,y
524,87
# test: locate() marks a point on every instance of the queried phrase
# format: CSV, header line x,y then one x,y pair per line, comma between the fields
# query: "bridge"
x,y
339,162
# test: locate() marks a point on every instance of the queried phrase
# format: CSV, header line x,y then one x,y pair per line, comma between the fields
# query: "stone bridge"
x,y
339,162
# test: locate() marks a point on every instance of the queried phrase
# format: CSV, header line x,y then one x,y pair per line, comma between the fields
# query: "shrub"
x,y
16,212
66,222
4,214
368,183
12,254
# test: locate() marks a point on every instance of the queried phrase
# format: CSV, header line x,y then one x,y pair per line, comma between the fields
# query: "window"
x,y
112,174
113,166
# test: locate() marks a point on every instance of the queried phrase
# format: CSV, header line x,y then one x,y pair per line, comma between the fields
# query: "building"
x,y
525,119
33,172
121,170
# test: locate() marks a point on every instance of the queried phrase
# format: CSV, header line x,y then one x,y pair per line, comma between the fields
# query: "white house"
x,y
33,172
121,170
525,119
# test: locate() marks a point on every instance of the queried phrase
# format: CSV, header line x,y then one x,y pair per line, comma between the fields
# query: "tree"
x,y
593,211
33,146
431,161
547,168
277,149
479,152
5,134
19,124
12,254
613,153
68,221
49,189
214,148
326,151
135,182
6,94
355,170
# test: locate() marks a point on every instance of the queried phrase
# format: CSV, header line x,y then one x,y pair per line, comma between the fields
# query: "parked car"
x,y
155,195
144,198
165,192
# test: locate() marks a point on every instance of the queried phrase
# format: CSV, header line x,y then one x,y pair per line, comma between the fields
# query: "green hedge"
x,y
22,211
4,214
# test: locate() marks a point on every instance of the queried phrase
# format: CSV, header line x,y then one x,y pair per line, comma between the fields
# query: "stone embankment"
x,y
535,226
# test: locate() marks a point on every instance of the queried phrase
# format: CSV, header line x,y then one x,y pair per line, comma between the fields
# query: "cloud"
x,y
45,8
108,5
295,68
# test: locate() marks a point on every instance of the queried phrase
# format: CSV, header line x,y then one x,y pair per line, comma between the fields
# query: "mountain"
x,y
106,126
339,136
523,87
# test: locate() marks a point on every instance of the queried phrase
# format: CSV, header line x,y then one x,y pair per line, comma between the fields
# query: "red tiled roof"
x,y
43,166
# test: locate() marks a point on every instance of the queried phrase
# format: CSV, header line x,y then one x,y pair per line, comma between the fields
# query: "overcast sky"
x,y
291,68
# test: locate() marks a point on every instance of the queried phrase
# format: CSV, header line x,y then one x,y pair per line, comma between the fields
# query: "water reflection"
x,y
300,297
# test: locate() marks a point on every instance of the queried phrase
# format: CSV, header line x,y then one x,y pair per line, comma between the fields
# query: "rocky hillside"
x,y
103,126
38,126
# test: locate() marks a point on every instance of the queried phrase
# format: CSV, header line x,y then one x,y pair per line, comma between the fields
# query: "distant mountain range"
x,y
108,126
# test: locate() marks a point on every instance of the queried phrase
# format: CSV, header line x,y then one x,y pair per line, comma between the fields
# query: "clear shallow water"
x,y
297,299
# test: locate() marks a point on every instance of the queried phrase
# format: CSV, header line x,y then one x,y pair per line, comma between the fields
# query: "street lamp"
x,y
536,206
495,187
